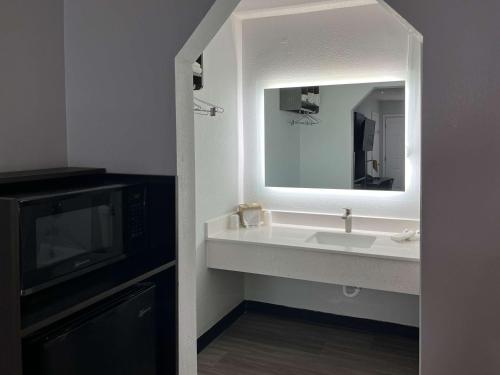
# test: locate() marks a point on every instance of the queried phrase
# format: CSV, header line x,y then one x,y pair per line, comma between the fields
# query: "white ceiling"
x,y
266,8
246,5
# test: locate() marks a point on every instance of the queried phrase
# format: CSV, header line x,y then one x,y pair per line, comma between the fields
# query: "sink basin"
x,y
342,239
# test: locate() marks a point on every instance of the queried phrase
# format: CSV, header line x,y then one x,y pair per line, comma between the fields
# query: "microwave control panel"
x,y
136,215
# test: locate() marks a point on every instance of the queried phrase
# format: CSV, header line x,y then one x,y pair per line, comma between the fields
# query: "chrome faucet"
x,y
348,220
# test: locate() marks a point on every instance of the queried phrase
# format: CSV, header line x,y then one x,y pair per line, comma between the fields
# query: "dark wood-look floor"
x,y
268,345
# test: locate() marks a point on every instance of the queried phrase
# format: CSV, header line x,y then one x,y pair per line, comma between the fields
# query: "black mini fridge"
x,y
116,338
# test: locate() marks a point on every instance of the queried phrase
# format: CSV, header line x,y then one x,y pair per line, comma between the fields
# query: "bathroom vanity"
x,y
366,258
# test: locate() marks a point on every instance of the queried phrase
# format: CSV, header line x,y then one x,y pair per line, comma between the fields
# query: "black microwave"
x,y
66,233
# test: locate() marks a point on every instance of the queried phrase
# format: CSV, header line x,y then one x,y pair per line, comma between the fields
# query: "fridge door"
x,y
117,340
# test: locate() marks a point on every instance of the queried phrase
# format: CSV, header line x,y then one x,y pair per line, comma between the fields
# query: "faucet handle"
x,y
348,211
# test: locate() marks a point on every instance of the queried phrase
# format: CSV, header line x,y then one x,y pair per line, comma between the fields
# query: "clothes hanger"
x,y
305,119
204,108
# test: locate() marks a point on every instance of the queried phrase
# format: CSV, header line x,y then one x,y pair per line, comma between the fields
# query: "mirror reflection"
x,y
336,137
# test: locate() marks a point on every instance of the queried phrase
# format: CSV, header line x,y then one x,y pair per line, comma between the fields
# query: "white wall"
x,y
352,45
216,150
369,304
120,81
32,102
186,181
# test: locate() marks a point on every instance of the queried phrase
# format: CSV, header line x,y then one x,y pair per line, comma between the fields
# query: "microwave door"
x,y
62,236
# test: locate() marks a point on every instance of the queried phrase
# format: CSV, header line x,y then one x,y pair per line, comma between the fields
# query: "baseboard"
x,y
219,327
332,319
304,315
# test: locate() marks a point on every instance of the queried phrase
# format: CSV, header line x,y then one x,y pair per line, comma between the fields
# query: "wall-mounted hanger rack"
x,y
305,119
204,108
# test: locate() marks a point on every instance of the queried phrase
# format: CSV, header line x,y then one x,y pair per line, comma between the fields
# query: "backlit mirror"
x,y
348,136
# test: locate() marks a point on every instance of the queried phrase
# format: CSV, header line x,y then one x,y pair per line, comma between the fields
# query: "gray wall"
x,y
32,109
120,83
460,255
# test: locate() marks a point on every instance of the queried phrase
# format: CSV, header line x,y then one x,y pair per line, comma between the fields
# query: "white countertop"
x,y
295,236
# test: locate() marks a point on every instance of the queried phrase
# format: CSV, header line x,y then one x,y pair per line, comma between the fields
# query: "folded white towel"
x,y
197,68
406,235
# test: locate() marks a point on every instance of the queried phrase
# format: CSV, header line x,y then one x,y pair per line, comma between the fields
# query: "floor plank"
x,y
259,344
